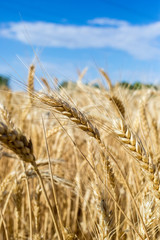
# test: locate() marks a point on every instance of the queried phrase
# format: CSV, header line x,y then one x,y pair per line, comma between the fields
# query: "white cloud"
x,y
140,41
108,21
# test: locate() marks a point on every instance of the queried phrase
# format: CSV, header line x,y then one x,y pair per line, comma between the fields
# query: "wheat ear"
x,y
105,75
119,105
31,82
18,143
136,149
45,82
8,121
143,119
6,116
81,75
72,113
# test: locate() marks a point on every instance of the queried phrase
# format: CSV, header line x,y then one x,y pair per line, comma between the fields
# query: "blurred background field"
x,y
103,147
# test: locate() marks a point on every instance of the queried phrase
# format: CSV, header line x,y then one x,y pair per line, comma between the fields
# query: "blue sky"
x,y
122,37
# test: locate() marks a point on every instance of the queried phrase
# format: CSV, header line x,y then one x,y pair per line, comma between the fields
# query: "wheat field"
x,y
79,162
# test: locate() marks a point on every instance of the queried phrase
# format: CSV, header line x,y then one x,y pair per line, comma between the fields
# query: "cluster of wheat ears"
x,y
79,163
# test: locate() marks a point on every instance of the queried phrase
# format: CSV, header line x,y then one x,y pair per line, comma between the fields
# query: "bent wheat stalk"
x,y
77,117
106,187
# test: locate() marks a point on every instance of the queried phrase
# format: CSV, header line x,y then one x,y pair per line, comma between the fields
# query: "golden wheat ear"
x,y
137,150
14,140
105,75
17,142
31,82
72,113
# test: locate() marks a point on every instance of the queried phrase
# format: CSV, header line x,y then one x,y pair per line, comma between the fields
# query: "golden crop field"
x,y
79,162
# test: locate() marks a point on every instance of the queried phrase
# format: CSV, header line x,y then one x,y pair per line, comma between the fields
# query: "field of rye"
x,y
79,162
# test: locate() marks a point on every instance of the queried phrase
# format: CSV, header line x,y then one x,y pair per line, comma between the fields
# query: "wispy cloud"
x,y
140,41
108,21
